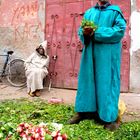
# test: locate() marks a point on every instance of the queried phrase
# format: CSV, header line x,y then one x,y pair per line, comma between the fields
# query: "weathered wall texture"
x,y
21,25
135,47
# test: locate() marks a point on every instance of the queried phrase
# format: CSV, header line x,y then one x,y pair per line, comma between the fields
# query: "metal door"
x,y
63,18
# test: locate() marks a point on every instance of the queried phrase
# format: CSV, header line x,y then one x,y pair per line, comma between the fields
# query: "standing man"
x,y
99,75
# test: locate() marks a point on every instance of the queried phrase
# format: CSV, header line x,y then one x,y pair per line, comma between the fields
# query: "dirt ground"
x,y
132,100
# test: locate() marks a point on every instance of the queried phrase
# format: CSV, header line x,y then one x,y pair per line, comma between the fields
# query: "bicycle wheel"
x,y
16,73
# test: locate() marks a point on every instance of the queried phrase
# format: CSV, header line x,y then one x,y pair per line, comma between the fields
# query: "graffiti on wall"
x,y
27,31
25,12
23,18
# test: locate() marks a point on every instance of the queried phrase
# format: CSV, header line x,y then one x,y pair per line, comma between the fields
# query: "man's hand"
x,y
88,31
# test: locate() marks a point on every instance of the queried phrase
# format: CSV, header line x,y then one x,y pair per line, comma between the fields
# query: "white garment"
x,y
36,70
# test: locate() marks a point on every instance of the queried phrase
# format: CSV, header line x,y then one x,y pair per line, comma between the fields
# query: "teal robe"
x,y
99,75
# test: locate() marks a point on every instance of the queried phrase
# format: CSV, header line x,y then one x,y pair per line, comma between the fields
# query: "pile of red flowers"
x,y
41,132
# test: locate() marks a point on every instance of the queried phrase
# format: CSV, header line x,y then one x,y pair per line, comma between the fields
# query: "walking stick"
x,y
50,83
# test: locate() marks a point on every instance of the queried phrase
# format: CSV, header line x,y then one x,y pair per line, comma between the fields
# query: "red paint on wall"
x,y
16,12
22,17
28,31
25,13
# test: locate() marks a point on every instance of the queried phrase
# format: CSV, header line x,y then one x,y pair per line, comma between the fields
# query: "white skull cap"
x,y
43,44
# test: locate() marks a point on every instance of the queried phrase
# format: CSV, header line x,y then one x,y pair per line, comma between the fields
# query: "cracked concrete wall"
x,y
21,26
135,47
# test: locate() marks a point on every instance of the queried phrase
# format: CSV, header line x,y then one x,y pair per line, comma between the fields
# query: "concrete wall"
x,y
135,47
21,25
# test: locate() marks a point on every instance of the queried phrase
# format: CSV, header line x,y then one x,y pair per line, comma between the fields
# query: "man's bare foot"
x,y
37,93
31,94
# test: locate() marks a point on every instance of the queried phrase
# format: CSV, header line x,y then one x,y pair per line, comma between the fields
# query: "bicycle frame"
x,y
5,65
6,62
12,72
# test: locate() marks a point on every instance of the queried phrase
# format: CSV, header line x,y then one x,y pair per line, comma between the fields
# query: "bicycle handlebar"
x,y
10,52
7,53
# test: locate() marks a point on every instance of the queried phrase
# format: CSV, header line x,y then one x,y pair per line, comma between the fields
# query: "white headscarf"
x,y
44,45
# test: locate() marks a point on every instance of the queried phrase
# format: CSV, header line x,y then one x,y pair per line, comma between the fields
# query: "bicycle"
x,y
13,70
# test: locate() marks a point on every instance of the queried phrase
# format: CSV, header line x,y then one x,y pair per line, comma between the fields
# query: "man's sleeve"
x,y
111,34
80,30
80,34
28,60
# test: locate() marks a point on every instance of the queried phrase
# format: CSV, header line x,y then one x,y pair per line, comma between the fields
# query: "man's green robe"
x,y
99,75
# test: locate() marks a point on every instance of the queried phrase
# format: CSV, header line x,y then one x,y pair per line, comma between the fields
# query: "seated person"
x,y
36,69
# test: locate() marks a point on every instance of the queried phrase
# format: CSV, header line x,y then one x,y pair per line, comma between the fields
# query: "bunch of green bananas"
x,y
88,24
